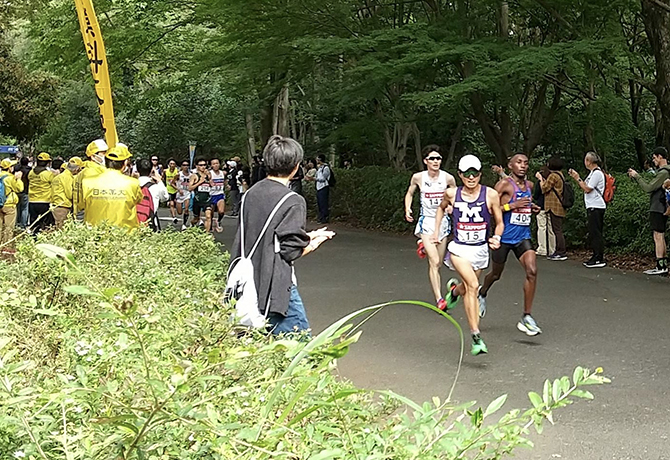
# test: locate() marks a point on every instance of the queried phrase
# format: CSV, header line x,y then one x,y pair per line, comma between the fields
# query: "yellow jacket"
x,y
62,188
169,177
12,187
111,197
91,169
39,186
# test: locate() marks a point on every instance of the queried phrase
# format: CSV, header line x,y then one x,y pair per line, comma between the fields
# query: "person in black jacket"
x,y
284,241
22,213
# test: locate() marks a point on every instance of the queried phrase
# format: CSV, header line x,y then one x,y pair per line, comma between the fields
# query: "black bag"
x,y
332,182
568,198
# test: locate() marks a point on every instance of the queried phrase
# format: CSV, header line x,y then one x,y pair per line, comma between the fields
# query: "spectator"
x,y
284,241
310,175
40,194
552,188
233,186
13,186
657,208
295,184
323,188
111,196
93,166
57,166
63,190
594,202
150,179
258,172
546,240
666,187
22,206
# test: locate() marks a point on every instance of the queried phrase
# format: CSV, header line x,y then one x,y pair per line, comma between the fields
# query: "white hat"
x,y
231,163
469,162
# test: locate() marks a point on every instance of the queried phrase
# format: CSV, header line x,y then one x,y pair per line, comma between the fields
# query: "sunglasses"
x,y
154,159
184,165
470,173
202,164
434,158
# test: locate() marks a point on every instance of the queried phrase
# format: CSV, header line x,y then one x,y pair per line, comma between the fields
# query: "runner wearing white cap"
x,y
474,205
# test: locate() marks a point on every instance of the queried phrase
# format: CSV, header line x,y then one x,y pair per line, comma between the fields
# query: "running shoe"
x,y
183,227
442,304
528,326
174,221
452,299
558,257
594,263
482,304
478,346
420,250
656,271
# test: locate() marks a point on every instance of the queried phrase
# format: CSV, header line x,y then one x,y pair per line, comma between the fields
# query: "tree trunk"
x,y
657,26
251,136
266,123
280,119
455,139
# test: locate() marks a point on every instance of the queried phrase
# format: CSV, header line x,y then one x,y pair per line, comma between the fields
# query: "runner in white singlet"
x,y
217,193
183,194
432,183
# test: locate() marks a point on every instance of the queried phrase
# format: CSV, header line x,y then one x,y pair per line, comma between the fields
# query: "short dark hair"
x,y
144,167
555,164
321,157
171,160
43,163
282,155
184,161
57,163
24,161
661,152
427,150
115,164
198,160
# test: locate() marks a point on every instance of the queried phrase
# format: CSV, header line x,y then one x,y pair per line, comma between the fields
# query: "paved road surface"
x,y
606,317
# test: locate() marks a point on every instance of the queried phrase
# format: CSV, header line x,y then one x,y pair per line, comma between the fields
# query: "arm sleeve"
x,y
549,183
655,183
596,182
16,185
293,238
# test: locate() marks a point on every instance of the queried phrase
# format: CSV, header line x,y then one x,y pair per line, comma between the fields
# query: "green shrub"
x,y
115,345
373,198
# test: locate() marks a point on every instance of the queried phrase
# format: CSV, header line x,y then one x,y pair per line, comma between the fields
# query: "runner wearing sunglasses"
x,y
474,208
432,184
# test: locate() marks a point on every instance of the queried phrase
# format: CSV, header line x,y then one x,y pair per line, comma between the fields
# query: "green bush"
x,y
373,198
115,345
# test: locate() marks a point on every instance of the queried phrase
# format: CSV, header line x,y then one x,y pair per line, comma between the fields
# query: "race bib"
x,y
520,217
471,233
204,188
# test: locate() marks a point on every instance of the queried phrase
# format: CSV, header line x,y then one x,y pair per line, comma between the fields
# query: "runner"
x,y
199,185
515,200
183,193
473,206
432,183
170,177
217,193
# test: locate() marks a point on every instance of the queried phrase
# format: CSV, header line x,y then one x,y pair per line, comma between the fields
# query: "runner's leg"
x,y
493,276
529,262
208,219
434,263
173,210
468,289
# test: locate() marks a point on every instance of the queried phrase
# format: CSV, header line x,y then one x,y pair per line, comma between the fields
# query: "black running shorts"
x,y
499,256
658,221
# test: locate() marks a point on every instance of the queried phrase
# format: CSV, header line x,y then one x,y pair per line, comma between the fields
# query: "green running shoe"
x,y
452,299
478,346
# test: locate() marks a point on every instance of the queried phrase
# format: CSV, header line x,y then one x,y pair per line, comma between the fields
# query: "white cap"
x,y
231,163
469,162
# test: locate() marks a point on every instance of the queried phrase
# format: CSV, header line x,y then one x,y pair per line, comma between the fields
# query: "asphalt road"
x,y
604,317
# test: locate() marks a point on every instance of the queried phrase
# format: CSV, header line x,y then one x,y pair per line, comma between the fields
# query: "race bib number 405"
x,y
520,217
471,233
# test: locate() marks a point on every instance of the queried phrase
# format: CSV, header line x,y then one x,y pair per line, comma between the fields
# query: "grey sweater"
x,y
273,271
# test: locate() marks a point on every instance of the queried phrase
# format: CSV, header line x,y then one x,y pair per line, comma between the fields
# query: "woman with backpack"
x,y
553,188
594,201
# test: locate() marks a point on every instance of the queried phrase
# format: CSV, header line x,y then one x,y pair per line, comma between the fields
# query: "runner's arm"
x,y
451,181
409,197
193,182
493,197
439,214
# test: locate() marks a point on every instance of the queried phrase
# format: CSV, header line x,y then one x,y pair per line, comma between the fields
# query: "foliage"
x,y
114,345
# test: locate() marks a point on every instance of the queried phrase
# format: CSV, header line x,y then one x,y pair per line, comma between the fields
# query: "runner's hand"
x,y
408,215
494,243
434,238
520,203
535,208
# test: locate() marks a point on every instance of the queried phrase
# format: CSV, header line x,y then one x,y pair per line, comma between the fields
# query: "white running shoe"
x,y
482,304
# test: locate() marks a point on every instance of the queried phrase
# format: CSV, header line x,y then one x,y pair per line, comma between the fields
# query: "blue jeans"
x,y
295,319
22,211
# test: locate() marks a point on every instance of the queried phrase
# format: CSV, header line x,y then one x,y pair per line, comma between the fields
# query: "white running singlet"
x,y
218,180
432,193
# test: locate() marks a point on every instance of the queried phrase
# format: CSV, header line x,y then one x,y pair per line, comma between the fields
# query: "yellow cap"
x,y
96,146
7,163
76,161
44,156
118,153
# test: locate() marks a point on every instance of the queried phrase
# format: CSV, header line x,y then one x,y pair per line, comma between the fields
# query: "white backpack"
x,y
241,286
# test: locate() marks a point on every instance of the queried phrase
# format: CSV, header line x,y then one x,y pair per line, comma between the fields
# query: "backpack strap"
x,y
265,227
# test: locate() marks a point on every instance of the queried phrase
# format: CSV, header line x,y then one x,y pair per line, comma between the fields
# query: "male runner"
x,y
183,193
199,185
217,194
170,177
515,200
432,183
474,205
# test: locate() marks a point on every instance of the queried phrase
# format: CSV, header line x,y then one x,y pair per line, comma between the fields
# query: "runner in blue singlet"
x,y
515,201
475,207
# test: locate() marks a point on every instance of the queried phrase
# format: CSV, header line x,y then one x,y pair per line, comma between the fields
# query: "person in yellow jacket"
x,y
111,196
95,152
13,186
63,190
39,194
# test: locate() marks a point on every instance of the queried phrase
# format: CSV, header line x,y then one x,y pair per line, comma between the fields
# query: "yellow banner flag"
x,y
95,50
